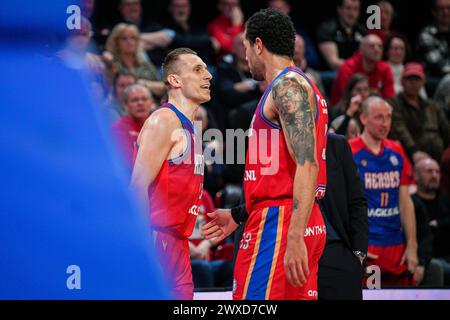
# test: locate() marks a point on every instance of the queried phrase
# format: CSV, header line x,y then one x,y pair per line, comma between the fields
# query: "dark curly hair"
x,y
275,29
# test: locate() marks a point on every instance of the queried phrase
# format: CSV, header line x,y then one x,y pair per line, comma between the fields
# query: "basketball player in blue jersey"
x,y
385,174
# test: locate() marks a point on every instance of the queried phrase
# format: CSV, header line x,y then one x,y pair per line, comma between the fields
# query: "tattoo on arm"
x,y
295,205
294,104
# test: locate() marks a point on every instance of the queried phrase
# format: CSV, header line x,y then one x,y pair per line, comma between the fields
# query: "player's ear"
x,y
363,118
258,46
174,80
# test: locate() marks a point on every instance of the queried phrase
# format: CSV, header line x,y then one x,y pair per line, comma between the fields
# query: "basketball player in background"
x,y
168,172
385,176
284,235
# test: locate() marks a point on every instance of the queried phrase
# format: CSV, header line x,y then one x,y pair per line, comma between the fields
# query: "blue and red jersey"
x,y
175,194
382,175
269,167
268,186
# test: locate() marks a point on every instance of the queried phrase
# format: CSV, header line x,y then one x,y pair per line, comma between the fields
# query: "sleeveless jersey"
x,y
175,194
382,175
269,167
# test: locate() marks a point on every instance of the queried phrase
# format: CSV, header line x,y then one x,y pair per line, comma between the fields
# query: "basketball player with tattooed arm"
x,y
284,235
168,172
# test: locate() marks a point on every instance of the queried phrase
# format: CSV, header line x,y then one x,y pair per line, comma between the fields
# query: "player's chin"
x,y
206,97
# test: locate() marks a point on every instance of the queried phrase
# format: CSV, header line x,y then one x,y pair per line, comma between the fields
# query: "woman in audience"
x,y
345,114
396,53
124,54
387,14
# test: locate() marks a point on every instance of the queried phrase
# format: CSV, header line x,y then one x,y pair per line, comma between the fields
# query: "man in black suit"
x,y
344,209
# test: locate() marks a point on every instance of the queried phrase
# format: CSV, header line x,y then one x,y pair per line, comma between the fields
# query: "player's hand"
x,y
296,260
410,258
203,250
221,226
193,251
215,44
107,57
372,256
418,274
237,16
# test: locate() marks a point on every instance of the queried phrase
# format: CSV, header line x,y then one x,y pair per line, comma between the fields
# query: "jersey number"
x,y
384,199
246,237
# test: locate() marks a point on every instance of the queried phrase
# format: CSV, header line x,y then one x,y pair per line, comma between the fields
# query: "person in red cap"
x,y
419,124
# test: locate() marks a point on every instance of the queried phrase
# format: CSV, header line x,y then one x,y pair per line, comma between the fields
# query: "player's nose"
x,y
208,75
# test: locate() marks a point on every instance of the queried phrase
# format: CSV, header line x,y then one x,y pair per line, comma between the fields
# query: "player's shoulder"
x,y
393,145
297,74
162,119
295,80
356,144
164,115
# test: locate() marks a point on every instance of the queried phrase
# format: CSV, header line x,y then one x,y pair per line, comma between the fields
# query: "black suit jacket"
x,y
344,202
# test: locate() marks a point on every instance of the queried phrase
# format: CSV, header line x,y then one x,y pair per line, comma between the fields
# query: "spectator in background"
x,y
309,49
427,175
345,114
75,55
366,61
387,16
211,149
442,95
418,123
339,38
189,36
235,85
433,44
87,10
124,54
75,52
396,53
385,171
445,173
301,61
154,38
117,97
139,105
429,272
228,25
131,12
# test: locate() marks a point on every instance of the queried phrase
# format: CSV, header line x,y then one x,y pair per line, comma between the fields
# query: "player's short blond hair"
x,y
169,65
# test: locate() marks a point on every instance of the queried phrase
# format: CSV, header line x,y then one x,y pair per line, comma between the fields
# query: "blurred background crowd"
x,y
122,43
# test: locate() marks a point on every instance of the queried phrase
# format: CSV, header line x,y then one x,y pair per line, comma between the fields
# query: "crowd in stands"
x,y
348,63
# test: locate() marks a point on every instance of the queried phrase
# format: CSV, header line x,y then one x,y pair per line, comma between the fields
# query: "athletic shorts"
x,y
392,272
175,262
259,272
